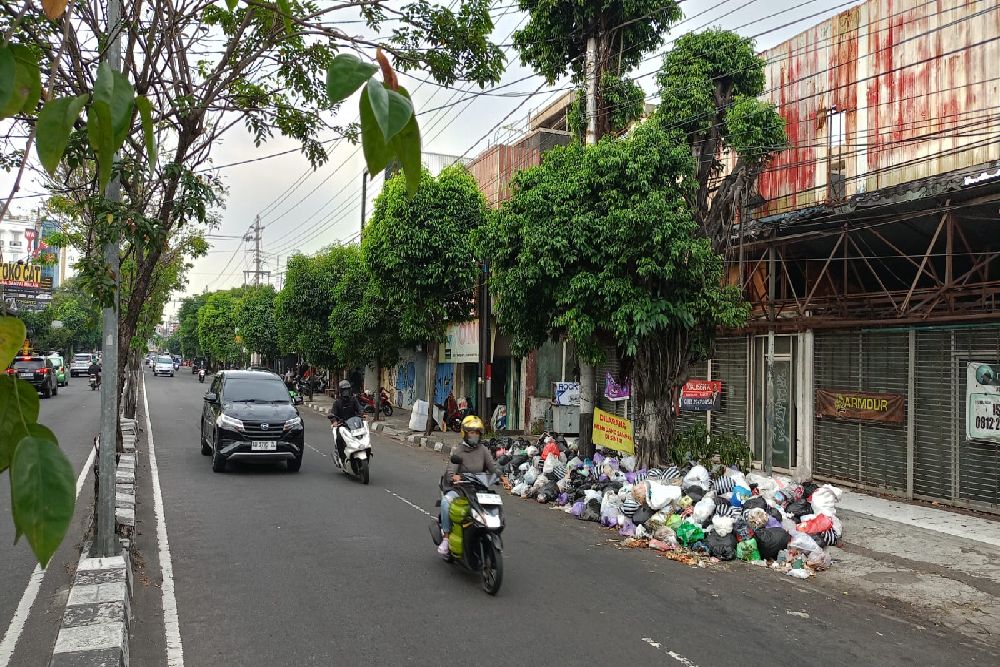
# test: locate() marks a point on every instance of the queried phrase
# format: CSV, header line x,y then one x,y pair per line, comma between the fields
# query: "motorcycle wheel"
x,y
387,409
492,568
363,471
369,410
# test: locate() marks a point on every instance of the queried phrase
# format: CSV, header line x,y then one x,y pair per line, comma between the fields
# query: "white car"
x,y
163,366
80,364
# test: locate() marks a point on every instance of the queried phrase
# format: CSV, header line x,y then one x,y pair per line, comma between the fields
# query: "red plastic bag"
x,y
818,524
550,449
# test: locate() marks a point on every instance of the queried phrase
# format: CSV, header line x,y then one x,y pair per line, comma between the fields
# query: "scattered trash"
x,y
693,515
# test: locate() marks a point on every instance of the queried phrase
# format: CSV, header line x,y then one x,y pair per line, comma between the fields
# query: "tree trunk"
x,y
587,385
660,369
377,389
432,363
131,397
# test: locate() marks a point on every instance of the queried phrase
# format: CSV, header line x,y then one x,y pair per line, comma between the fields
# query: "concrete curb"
x,y
411,439
95,626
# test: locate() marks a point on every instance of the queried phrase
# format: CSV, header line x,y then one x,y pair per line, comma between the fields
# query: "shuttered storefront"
x,y
946,465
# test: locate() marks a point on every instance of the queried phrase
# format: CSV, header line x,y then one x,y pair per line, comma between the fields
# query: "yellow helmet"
x,y
471,423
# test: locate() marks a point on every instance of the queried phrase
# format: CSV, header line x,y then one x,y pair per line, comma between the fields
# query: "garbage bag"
x,y
684,502
755,501
551,449
562,499
578,508
664,544
627,529
642,515
695,493
770,541
641,533
516,461
688,533
519,488
667,535
803,542
774,513
722,525
747,550
827,538
703,510
799,508
818,523
674,521
722,547
742,529
629,463
697,476
629,507
592,494
773,523
756,518
640,492
824,499
592,511
724,484
740,494
660,495
530,476
808,488
548,493
699,547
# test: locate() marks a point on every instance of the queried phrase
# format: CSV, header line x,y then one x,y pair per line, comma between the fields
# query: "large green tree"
x,y
420,253
255,319
187,331
79,318
363,327
218,326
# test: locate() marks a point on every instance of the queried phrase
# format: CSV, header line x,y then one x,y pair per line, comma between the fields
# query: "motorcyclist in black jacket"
x,y
346,406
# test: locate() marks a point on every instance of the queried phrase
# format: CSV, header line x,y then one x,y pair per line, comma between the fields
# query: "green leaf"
x,y
55,123
286,14
102,140
27,83
406,146
378,98
146,113
42,491
231,4
12,334
7,73
113,88
373,144
400,113
345,75
18,409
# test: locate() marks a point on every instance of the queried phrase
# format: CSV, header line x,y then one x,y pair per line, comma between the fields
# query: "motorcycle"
x,y
357,447
95,382
201,375
367,399
296,399
304,388
477,521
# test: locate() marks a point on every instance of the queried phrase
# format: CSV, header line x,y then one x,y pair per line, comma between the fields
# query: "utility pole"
x,y
105,544
769,425
485,358
256,230
587,380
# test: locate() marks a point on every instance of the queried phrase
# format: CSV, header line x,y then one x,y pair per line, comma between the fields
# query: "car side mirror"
x,y
211,397
456,459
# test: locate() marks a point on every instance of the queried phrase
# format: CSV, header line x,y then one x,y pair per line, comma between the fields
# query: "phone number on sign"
x,y
987,423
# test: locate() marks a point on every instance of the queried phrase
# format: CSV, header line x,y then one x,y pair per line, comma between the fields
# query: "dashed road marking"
x,y
673,654
416,507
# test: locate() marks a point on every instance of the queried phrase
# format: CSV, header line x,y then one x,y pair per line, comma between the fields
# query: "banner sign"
x,y
461,343
613,432
567,393
21,275
614,391
701,395
982,404
860,406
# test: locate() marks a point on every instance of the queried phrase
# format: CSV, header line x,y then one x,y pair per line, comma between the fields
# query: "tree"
x,y
302,308
255,319
599,244
187,331
218,326
419,251
80,318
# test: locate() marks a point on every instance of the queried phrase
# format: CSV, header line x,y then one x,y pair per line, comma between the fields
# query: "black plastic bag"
x,y
723,548
775,513
548,493
592,511
770,541
642,515
695,493
754,501
799,508
516,461
808,488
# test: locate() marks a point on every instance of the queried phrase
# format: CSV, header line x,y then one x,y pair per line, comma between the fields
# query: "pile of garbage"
x,y
688,513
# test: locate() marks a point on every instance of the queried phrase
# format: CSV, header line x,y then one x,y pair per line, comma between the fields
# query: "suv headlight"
x,y
225,421
293,423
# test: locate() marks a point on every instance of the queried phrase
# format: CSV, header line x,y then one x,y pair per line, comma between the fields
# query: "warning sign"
x,y
613,432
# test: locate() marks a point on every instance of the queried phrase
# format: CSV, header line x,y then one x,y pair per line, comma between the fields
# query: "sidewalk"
x,y
397,426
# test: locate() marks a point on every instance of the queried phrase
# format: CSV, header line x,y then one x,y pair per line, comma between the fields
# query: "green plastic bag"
x,y
747,550
674,521
458,512
688,533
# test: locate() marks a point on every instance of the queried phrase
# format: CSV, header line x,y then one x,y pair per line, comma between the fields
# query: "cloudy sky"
x,y
302,210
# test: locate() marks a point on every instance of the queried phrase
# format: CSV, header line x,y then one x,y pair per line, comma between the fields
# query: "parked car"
x,y
60,369
163,365
249,416
80,364
38,372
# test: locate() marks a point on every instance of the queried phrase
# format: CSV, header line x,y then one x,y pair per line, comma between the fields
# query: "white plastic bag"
x,y
722,525
628,463
591,494
703,509
824,499
660,495
530,476
641,533
803,542
519,489
698,476
738,477
550,465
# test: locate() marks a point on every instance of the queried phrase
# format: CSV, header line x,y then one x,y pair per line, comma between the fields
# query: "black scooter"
x,y
95,382
481,544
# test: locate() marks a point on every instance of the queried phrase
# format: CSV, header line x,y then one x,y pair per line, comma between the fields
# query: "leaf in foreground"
x,y
18,410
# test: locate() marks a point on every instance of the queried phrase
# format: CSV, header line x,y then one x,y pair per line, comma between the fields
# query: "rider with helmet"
x,y
346,406
476,459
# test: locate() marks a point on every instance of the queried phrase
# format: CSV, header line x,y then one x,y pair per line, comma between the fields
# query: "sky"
x,y
304,210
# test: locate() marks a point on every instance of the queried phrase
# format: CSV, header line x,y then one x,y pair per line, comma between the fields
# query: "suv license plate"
x,y
489,499
258,446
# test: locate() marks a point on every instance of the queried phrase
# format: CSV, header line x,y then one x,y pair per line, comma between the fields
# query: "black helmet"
x,y
345,388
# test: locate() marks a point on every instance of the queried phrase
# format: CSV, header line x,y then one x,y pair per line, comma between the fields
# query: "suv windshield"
x,y
81,357
269,390
165,360
28,364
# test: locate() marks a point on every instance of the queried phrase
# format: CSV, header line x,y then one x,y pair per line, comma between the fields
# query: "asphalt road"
x,y
274,568
73,415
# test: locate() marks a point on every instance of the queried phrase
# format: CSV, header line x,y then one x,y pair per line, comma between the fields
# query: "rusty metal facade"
x,y
885,93
496,166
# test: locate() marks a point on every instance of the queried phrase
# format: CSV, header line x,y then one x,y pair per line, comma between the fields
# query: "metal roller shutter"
x,y
978,464
837,359
730,364
885,368
933,451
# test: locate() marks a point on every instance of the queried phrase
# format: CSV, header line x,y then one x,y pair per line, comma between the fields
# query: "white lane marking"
x,y
315,450
17,623
171,626
800,614
416,507
673,654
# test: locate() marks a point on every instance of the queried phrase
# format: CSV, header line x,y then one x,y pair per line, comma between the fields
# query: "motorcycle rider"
x,y
475,459
346,406
95,370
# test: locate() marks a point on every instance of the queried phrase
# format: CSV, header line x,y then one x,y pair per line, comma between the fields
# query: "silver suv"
x,y
80,364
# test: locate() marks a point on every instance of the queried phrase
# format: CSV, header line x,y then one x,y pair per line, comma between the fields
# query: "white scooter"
x,y
201,375
357,447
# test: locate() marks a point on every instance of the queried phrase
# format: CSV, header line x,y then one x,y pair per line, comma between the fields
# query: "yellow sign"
x,y
21,275
613,432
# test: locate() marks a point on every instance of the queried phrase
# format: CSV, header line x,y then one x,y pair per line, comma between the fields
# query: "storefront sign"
x,y
461,343
982,392
613,432
567,393
860,406
614,391
21,275
701,395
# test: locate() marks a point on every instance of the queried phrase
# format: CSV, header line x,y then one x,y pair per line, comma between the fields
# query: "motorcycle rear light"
x,y
11,371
